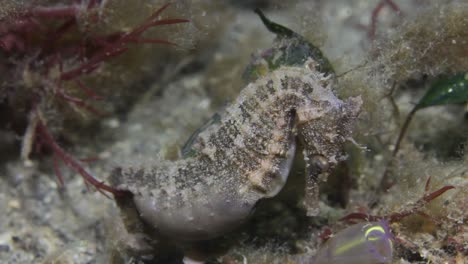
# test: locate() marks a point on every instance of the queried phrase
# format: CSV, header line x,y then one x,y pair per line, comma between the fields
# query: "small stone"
x,y
14,204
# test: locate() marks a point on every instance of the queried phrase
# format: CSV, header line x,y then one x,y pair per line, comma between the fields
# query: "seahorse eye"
x,y
320,163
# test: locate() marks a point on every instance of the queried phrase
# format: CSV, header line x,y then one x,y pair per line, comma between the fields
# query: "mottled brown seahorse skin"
x,y
246,156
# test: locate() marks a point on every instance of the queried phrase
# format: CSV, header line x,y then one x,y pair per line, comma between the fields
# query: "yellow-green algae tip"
x,y
363,243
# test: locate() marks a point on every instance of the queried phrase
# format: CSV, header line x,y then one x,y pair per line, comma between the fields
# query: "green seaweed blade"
x,y
452,90
290,49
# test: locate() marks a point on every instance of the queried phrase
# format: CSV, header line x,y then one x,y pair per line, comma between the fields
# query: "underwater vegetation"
x,y
291,133
446,90
47,52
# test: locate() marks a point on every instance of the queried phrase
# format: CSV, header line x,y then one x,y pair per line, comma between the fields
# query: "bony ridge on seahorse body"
x,y
246,155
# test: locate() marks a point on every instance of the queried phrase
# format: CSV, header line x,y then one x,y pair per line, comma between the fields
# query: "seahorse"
x,y
245,155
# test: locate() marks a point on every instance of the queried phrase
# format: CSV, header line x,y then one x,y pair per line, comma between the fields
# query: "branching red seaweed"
x,y
414,209
59,153
375,14
49,45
